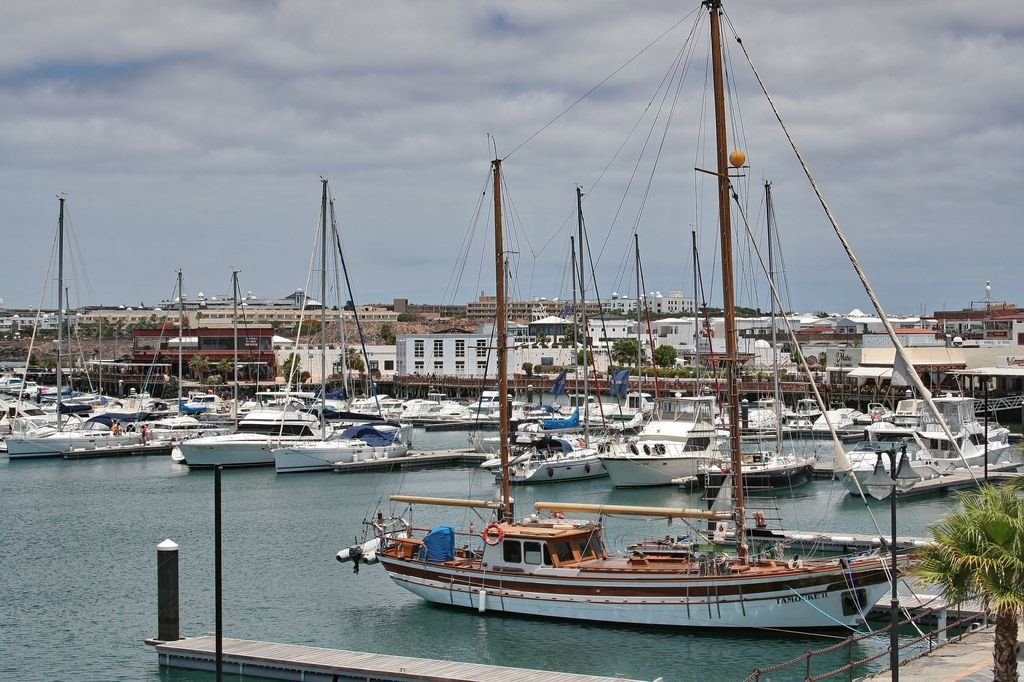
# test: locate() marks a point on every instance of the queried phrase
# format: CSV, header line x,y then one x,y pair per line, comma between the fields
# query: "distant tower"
x,y
988,299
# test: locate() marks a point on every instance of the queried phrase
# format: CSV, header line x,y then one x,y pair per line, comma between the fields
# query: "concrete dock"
x,y
968,659
295,662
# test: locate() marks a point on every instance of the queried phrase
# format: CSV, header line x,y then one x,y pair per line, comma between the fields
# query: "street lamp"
x,y
901,477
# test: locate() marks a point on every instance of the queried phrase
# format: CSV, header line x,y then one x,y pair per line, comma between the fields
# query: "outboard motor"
x,y
353,554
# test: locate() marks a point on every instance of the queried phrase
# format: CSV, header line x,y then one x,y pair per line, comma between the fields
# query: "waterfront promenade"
x,y
966,660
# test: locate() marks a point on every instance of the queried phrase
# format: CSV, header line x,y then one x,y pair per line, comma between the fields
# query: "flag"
x,y
559,386
620,382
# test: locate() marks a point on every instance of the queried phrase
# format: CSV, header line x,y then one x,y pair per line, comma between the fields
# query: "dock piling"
x,y
167,591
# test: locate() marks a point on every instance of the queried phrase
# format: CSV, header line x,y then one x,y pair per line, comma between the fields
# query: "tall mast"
x,y
639,319
323,311
60,299
696,318
234,333
775,340
583,319
181,332
725,228
502,334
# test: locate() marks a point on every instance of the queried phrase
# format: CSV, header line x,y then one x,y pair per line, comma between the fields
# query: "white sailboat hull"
x,y
324,455
64,442
817,600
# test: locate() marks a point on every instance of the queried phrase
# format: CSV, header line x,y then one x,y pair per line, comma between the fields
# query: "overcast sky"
x,y
193,135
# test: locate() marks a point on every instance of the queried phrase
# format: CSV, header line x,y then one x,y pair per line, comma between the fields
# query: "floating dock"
x,y
296,662
437,458
468,425
959,479
120,451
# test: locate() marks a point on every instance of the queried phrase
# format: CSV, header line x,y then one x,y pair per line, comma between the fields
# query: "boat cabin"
x,y
525,547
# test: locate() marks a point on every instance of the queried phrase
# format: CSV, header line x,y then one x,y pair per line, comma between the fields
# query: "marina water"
x,y
78,570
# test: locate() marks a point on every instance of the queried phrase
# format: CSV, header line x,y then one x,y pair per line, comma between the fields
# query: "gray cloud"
x,y
193,135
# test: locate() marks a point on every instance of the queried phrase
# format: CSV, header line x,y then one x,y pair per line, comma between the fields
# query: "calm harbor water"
x,y
78,571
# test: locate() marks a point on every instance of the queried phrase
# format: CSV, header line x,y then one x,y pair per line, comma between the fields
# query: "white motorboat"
x,y
865,460
570,464
175,430
259,433
676,443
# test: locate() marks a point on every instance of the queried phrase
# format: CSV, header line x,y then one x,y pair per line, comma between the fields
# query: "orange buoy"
x,y
737,158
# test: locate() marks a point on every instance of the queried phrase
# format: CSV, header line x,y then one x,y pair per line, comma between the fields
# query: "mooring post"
x,y
167,591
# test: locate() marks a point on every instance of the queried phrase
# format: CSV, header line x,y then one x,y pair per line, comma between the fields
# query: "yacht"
x,y
676,443
259,433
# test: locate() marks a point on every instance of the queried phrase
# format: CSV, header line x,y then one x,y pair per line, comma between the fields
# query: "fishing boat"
x,y
544,564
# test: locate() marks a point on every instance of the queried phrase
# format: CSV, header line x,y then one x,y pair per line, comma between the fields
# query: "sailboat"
x,y
359,442
280,420
556,567
769,468
60,440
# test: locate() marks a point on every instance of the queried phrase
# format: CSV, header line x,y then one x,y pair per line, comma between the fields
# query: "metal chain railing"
x,y
932,637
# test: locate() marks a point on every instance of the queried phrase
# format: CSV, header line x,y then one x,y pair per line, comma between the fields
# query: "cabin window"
x,y
532,553
512,552
564,552
696,444
585,548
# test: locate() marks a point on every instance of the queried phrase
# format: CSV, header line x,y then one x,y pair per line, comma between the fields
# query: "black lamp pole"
x,y
894,604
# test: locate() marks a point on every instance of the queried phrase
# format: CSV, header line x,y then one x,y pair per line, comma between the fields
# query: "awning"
x,y
871,372
183,341
992,372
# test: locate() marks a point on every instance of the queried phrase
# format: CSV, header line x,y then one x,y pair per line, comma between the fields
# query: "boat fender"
x,y
759,520
586,467
551,472
489,537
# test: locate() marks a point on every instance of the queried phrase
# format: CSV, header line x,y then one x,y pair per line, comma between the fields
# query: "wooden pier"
x,y
423,460
296,662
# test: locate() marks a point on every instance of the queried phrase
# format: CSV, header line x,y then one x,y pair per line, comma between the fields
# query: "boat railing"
x,y
923,644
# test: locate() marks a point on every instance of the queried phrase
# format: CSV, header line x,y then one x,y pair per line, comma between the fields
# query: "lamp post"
x,y
880,485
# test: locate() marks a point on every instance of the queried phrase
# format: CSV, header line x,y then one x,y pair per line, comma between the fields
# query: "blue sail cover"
x,y
569,423
439,544
185,409
370,435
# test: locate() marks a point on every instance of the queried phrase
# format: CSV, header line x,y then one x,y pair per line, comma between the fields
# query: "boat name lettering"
x,y
801,597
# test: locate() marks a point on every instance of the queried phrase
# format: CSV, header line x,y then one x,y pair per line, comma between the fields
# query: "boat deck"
x,y
296,662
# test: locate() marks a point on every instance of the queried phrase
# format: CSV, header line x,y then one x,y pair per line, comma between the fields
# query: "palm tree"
x,y
978,553
199,365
